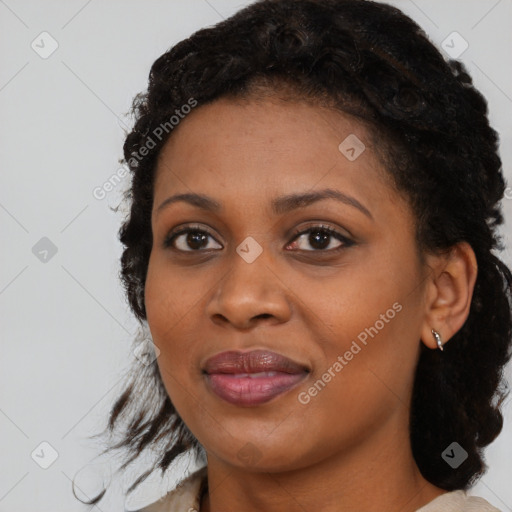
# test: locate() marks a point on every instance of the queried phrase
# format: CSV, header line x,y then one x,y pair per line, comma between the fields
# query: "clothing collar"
x,y
187,495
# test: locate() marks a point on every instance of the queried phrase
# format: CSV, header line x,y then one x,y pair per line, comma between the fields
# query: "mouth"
x,y
252,378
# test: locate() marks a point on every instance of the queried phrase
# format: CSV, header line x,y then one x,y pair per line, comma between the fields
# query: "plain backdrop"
x,y
66,331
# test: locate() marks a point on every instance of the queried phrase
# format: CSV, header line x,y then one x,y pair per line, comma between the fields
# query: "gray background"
x,y
66,332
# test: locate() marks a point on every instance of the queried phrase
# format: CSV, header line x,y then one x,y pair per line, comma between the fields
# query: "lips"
x,y
252,378
252,362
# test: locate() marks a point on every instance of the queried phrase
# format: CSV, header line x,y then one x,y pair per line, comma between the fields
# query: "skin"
x,y
348,448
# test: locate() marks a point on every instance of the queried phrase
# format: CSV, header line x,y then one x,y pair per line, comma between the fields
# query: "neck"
x,y
370,477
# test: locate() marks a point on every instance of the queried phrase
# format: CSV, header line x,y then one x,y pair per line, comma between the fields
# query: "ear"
x,y
448,293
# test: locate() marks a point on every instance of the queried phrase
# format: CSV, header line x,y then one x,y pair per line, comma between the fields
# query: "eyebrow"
x,y
279,205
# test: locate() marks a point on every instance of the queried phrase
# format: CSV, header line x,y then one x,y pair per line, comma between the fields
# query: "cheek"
x,y
166,310
369,317
168,296
344,304
168,304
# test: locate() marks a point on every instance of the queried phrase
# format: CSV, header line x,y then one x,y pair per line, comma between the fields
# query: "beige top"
x,y
185,498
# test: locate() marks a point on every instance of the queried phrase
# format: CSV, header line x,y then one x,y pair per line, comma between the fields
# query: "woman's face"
x,y
347,307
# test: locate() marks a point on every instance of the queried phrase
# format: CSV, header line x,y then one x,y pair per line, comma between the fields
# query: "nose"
x,y
248,294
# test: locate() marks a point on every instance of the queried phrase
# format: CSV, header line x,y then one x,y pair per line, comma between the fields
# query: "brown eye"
x,y
321,238
189,240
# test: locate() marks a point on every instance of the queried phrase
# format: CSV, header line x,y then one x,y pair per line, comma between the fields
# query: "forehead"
x,y
254,150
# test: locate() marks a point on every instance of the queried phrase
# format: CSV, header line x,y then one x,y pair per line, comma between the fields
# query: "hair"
x,y
370,61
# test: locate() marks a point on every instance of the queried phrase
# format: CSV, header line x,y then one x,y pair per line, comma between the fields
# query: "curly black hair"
x,y
372,62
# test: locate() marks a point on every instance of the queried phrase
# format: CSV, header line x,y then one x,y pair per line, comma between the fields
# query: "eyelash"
x,y
346,242
170,238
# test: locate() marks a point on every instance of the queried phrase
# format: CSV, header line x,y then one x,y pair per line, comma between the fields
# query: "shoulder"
x,y
458,501
184,498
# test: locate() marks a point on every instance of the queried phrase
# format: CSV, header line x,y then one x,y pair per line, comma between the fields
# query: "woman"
x,y
314,206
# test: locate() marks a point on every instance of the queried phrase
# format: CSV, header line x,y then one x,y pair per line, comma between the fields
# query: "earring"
x,y
437,337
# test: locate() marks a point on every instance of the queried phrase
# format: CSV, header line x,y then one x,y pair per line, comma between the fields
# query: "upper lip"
x,y
254,361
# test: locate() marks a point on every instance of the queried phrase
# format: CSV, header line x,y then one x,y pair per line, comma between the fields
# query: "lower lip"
x,y
248,391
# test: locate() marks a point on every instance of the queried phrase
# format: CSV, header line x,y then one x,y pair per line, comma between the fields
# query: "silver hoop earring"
x,y
437,337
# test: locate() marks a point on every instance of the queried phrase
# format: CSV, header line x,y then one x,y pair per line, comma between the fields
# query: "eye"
x,y
320,238
189,239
